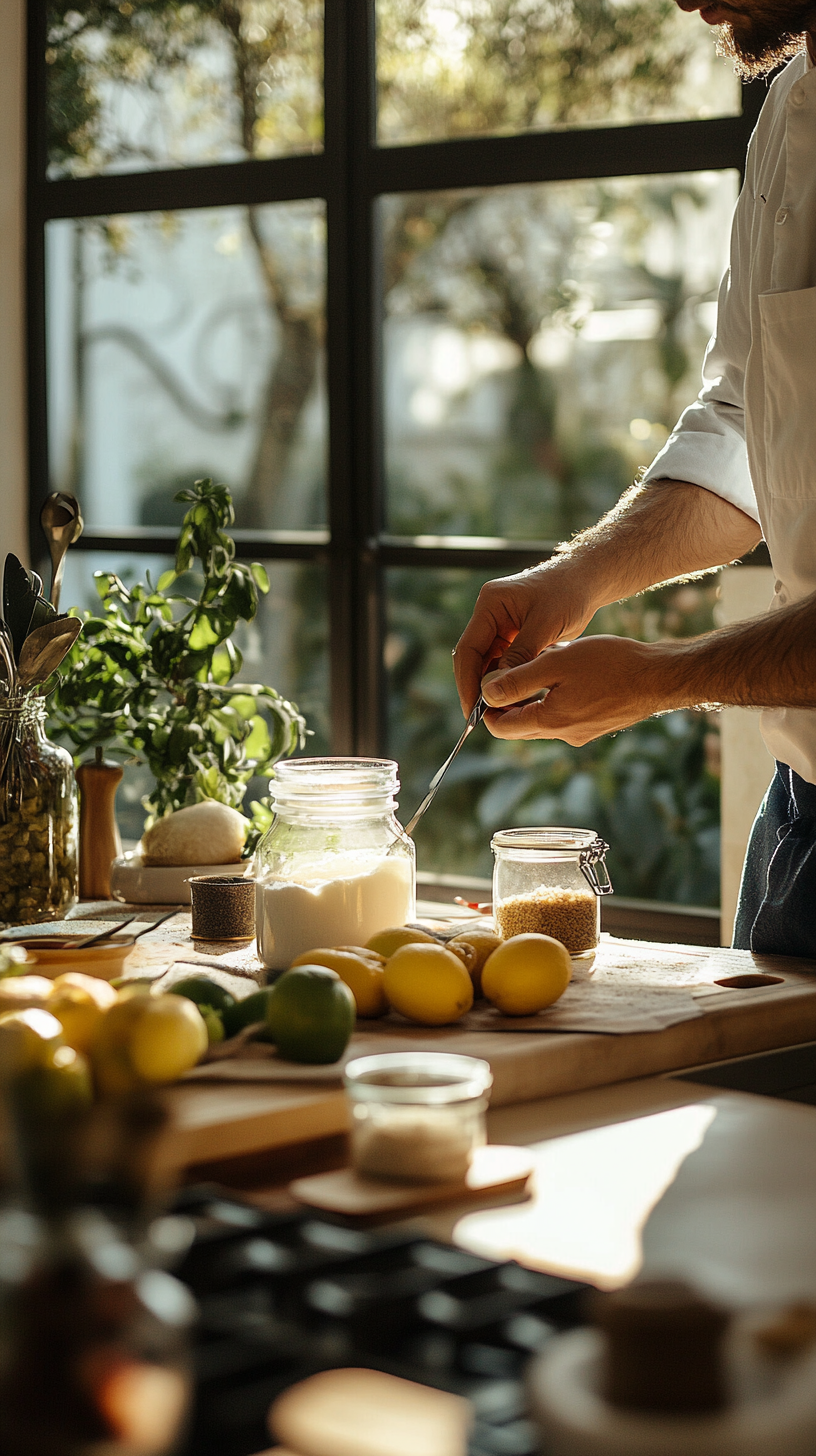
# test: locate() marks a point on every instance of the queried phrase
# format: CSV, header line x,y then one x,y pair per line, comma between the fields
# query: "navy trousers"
x,y
776,913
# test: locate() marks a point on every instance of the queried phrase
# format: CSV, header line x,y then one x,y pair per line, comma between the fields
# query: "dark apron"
x,y
776,913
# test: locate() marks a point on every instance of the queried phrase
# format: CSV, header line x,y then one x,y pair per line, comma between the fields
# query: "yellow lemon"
x,y
146,1038
365,952
385,942
79,1002
428,984
526,973
44,1095
18,993
109,1049
482,941
28,1039
168,1038
464,952
363,977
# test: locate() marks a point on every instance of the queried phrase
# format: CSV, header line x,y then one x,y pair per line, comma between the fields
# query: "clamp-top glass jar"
x,y
39,877
335,866
550,881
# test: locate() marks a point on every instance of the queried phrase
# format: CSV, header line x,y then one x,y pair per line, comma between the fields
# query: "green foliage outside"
x,y
153,675
512,65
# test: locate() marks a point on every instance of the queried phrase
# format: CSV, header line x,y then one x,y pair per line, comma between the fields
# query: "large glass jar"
x,y
549,881
336,865
39,878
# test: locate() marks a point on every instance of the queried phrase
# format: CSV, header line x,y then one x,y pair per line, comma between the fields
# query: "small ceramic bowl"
x,y
50,955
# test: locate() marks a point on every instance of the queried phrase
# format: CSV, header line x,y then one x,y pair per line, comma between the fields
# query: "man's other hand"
x,y
595,686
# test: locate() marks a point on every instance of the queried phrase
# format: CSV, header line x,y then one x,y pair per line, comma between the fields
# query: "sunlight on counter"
x,y
593,1194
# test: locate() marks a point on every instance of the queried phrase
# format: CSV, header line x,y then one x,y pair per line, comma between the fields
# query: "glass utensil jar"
x,y
416,1116
336,865
39,877
550,881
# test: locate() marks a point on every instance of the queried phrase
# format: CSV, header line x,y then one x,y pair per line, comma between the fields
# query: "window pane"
x,y
448,68
651,792
286,647
143,85
186,345
540,342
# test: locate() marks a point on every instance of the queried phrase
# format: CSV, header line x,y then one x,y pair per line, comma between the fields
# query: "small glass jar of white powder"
x,y
416,1117
335,866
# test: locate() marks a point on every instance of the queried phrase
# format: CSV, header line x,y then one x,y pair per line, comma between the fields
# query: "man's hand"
x,y
595,686
515,618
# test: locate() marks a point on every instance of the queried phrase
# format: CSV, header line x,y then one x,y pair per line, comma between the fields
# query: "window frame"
x,y
350,175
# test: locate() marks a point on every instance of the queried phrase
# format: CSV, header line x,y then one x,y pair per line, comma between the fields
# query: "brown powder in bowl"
x,y
567,915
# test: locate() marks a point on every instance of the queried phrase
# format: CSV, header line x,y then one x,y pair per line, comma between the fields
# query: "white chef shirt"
x,y
751,435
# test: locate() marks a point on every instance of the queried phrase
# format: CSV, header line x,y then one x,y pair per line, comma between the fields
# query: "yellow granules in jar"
x,y
568,915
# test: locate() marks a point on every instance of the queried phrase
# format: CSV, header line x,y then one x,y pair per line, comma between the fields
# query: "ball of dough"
x,y
205,834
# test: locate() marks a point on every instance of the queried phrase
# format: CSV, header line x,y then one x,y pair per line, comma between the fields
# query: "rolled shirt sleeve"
x,y
707,446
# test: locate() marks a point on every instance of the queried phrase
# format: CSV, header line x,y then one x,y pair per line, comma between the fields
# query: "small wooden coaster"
x,y
494,1169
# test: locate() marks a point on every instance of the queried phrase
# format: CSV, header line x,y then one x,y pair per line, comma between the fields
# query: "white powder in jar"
x,y
413,1148
336,900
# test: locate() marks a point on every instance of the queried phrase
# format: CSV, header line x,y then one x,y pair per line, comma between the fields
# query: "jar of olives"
x,y
39,876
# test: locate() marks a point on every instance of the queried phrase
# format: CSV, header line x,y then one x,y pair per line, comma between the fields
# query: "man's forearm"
x,y
768,662
665,531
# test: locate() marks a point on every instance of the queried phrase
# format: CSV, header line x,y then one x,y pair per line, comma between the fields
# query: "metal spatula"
x,y
473,721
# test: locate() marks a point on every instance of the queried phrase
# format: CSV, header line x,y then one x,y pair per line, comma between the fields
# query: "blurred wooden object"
x,y
494,1169
99,842
369,1413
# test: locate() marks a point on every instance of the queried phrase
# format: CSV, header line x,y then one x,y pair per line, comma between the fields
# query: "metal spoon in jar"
x,y
476,716
43,650
7,654
61,521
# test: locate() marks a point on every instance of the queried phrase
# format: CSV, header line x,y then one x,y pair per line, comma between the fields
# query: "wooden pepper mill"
x,y
99,842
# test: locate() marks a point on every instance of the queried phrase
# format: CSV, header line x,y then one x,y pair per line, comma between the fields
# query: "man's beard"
x,y
767,39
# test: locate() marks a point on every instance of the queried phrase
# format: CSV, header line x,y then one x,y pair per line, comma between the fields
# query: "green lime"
x,y
214,1024
204,992
244,1013
311,1015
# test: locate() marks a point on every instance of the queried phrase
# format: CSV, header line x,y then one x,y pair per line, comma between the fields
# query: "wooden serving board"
x,y
494,1169
221,1120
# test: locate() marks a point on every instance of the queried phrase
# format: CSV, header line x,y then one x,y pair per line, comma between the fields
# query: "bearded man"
x,y
739,466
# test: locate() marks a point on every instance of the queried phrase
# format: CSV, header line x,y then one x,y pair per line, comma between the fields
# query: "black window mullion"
x,y
622,151
355,471
222,184
36,152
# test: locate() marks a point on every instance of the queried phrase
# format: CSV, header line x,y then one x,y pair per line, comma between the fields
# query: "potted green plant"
x,y
152,677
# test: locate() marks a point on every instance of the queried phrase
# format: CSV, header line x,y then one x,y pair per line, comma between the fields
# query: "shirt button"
x,y
781,216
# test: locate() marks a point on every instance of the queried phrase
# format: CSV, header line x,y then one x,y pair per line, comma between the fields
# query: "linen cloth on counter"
x,y
635,988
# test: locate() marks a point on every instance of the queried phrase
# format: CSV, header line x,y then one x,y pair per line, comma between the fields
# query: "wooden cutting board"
x,y
222,1120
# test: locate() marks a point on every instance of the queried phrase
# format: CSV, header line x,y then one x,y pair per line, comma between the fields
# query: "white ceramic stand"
x,y
140,884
